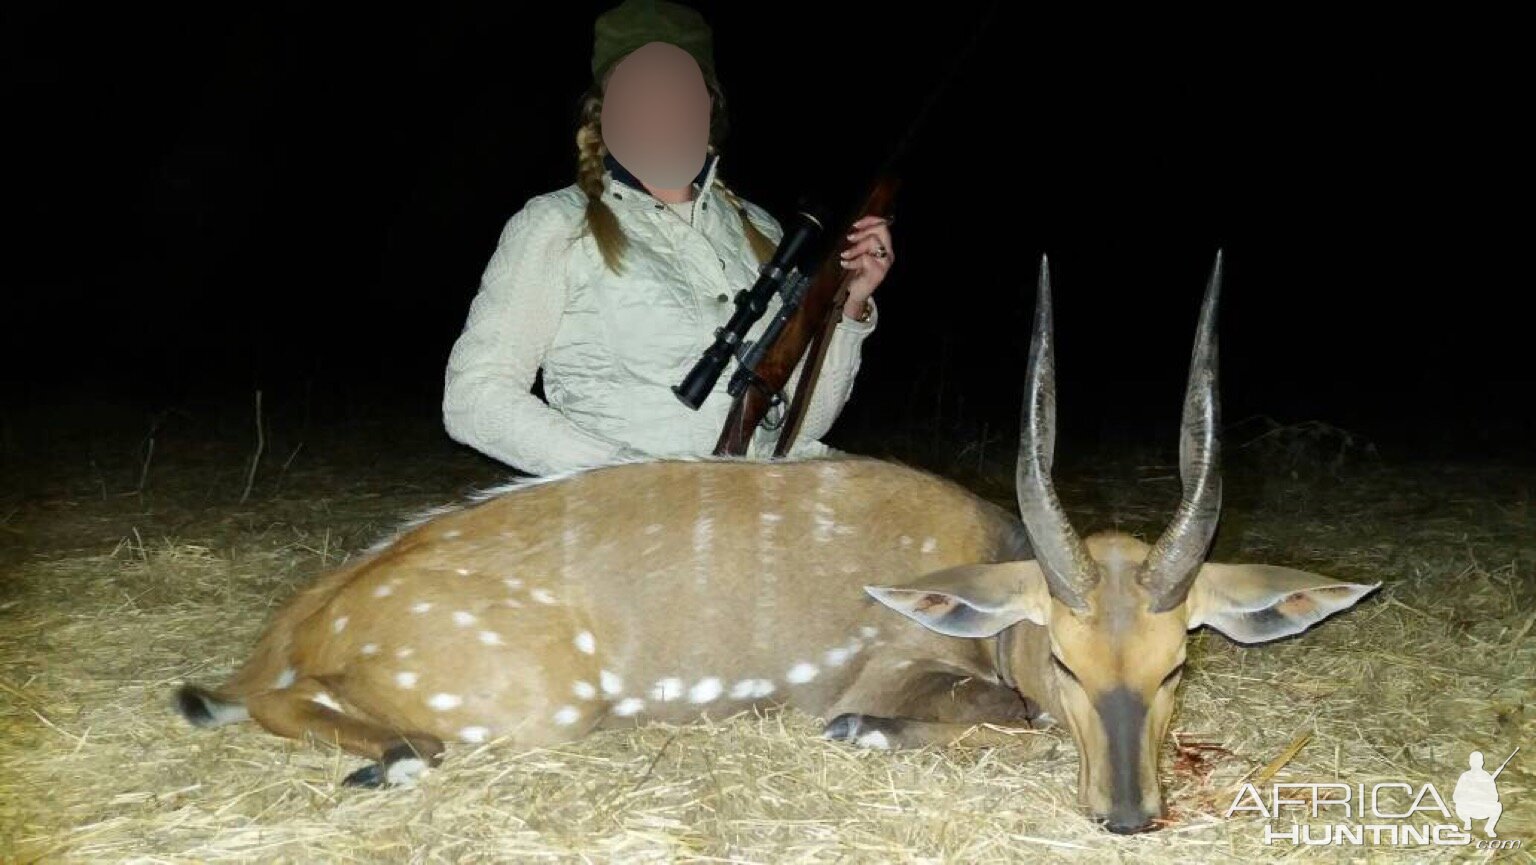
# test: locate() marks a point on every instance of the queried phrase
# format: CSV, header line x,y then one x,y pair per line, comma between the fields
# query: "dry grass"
x,y
110,599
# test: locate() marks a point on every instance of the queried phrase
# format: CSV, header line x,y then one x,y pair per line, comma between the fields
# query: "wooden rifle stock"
x,y
821,308
808,328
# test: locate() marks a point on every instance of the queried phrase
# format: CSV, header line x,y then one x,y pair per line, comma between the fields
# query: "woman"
x,y
615,284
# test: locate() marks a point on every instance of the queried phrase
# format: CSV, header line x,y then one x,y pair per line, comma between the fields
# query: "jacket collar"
x,y
624,188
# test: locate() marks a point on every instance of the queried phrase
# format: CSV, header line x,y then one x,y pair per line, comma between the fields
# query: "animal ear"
x,y
971,600
1259,603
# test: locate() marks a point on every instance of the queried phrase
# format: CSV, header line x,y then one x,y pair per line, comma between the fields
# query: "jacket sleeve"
x,y
488,402
839,368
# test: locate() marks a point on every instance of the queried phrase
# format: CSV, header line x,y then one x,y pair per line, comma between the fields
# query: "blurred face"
x,y
656,115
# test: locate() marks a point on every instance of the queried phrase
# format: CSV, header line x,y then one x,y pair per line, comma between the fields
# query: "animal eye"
x,y
1067,671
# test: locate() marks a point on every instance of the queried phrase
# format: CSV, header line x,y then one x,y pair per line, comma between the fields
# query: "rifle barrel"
x,y
1506,760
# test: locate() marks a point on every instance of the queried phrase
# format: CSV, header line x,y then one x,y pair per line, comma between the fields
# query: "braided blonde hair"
x,y
590,150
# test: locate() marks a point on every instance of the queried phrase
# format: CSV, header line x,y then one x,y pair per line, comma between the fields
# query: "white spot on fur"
x,y
629,706
513,583
405,680
584,690
801,673
452,533
405,652
543,596
929,544
463,572
902,665
463,619
751,689
405,771
490,638
667,689
906,541
327,701
703,532
370,648
284,679
705,691
567,716
421,606
383,591
474,734
836,657
868,632
876,739
612,683
586,642
444,702
824,522
771,517
339,624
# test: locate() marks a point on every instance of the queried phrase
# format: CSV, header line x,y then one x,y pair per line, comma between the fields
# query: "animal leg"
x,y
911,709
870,731
935,695
202,707
307,711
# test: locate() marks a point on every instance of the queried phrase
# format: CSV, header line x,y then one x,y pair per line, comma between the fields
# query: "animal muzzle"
x,y
1135,802
1129,818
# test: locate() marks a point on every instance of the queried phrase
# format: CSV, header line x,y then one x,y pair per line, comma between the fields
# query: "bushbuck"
x,y
657,590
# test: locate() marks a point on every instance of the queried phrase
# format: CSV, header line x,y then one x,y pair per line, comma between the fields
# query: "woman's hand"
x,y
868,258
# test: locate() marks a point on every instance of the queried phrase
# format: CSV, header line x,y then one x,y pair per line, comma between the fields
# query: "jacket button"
x,y
723,297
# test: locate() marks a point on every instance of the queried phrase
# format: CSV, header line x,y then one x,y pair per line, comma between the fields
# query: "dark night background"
x,y
209,201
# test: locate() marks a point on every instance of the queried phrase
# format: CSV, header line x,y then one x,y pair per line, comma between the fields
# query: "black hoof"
x,y
844,727
371,775
400,767
192,705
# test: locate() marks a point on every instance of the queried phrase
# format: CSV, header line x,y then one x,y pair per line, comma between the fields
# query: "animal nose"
x,y
1128,821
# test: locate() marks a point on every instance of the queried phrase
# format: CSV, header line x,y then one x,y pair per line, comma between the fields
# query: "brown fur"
x,y
676,583
660,591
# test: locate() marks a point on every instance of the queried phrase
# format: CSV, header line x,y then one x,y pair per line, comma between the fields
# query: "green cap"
x,y
634,23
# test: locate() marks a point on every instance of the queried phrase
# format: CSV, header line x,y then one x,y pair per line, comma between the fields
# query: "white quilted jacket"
x,y
611,346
